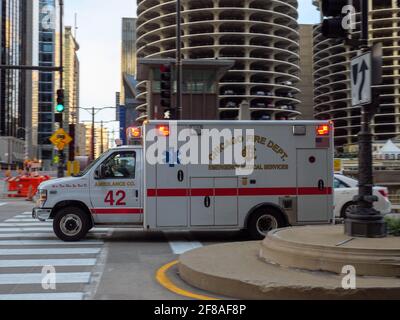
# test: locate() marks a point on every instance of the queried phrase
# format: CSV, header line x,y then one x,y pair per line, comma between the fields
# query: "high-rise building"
x,y
48,81
306,83
261,36
332,77
71,87
128,52
71,77
32,79
101,139
18,105
80,140
127,97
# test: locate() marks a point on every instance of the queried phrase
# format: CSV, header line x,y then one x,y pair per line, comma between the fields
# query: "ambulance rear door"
x,y
314,191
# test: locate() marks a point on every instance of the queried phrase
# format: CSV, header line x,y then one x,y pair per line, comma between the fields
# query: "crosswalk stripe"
x,y
48,243
69,296
27,235
44,229
23,224
23,220
48,235
47,262
37,278
25,229
180,247
23,238
50,251
3,204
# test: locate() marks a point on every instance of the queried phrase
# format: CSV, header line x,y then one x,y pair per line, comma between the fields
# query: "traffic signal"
x,y
60,107
338,17
60,101
166,91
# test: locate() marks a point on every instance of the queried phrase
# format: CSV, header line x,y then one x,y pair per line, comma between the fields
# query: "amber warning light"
x,y
135,133
164,130
323,130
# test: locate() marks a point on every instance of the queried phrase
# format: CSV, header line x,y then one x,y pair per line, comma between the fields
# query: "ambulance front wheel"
x,y
71,224
263,221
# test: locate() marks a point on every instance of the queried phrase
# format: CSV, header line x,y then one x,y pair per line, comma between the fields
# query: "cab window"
x,y
121,165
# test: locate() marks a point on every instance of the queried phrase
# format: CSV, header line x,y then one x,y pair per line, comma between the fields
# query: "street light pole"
x,y
26,131
366,221
101,138
93,111
93,134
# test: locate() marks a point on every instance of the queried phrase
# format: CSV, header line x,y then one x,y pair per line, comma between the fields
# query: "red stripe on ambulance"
x,y
117,211
238,192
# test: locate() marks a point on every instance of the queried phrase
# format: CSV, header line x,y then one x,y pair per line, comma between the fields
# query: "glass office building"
x,y
18,89
47,57
11,81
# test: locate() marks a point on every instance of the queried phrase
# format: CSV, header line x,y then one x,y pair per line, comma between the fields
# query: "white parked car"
x,y
347,188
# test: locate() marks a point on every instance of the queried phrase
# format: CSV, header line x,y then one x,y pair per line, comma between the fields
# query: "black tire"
x,y
345,208
277,221
74,219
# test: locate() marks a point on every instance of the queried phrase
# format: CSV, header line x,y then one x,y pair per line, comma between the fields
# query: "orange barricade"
x,y
26,186
13,187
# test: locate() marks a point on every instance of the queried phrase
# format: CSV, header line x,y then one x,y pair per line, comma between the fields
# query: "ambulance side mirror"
x,y
100,172
97,173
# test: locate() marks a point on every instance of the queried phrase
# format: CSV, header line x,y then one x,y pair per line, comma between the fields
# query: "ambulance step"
x,y
120,226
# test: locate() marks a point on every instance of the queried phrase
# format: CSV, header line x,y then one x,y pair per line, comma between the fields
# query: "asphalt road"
x,y
109,264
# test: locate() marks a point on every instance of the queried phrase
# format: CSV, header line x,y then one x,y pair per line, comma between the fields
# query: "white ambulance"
x,y
184,176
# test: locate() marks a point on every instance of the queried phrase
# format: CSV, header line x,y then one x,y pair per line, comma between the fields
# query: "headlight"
x,y
42,195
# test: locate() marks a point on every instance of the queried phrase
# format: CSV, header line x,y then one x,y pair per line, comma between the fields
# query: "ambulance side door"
x,y
115,189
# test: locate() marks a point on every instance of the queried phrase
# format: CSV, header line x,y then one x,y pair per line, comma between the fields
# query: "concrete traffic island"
x,y
324,248
296,263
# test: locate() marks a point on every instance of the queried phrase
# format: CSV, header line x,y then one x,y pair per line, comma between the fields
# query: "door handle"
x,y
321,185
137,193
207,202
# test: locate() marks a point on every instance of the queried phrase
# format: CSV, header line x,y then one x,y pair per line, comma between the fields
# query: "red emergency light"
x,y
323,130
164,130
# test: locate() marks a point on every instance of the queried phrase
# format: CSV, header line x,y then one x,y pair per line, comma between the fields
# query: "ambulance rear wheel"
x,y
71,224
263,221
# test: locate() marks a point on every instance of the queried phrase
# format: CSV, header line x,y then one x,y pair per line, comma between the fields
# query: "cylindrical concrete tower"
x,y
260,35
332,77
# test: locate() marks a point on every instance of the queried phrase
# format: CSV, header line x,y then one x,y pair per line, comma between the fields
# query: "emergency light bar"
x,y
163,130
323,130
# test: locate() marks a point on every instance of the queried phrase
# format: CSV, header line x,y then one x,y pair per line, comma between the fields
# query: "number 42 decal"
x,y
117,200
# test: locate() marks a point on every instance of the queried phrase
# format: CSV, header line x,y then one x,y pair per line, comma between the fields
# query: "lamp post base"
x,y
366,223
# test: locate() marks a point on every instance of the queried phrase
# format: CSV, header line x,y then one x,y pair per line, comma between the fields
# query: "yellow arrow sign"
x,y
60,139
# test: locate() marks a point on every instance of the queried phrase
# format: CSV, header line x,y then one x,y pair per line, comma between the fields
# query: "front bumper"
x,y
41,214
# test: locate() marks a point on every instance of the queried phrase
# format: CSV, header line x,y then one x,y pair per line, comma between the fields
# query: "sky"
x,y
99,36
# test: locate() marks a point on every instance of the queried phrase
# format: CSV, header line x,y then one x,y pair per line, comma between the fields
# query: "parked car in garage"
x,y
229,93
287,83
345,190
231,104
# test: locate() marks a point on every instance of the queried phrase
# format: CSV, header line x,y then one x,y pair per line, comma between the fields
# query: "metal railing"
x,y
395,199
